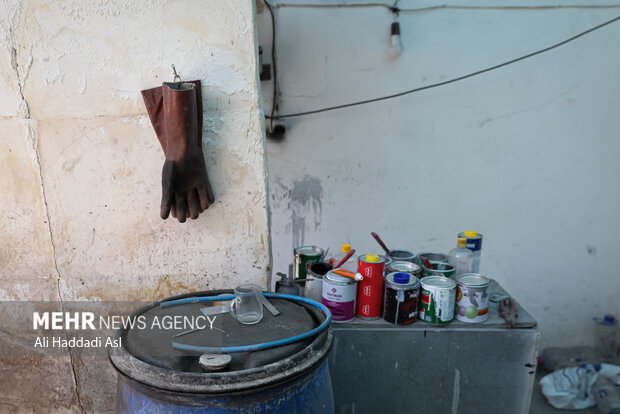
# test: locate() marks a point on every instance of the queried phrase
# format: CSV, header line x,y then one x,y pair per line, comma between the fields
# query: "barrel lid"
x,y
438,282
147,355
309,250
400,266
392,279
472,280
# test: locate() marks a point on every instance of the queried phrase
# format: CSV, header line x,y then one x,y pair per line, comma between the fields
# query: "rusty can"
x,y
400,303
370,290
405,267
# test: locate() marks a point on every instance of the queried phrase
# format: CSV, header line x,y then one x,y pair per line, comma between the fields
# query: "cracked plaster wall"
x,y
527,154
80,167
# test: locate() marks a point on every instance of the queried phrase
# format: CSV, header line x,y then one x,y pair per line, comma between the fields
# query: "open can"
x,y
304,256
405,267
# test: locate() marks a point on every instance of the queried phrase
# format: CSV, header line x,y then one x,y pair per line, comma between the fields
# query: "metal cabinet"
x,y
461,368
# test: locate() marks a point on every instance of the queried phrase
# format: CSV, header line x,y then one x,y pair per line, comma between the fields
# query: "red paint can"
x,y
370,290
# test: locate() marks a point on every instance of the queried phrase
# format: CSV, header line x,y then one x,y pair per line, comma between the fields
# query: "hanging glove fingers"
x,y
203,197
193,204
181,207
167,177
173,211
210,195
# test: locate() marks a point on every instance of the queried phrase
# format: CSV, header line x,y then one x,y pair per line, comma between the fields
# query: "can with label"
x,y
431,257
440,269
370,290
437,300
474,243
303,257
405,267
472,297
400,301
339,294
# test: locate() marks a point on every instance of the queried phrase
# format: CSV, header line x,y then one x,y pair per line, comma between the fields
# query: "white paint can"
x,y
339,294
472,298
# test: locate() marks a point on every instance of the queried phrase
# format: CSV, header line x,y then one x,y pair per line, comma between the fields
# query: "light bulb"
x,y
396,45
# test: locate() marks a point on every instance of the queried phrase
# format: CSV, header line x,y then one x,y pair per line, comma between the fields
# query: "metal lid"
x,y
309,250
147,355
440,267
414,283
438,282
402,255
473,280
435,257
338,279
380,258
398,266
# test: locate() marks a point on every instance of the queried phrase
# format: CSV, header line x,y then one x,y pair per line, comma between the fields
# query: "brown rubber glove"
x,y
175,110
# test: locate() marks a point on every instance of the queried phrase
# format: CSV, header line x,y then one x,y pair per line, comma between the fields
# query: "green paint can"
x,y
304,257
437,300
440,269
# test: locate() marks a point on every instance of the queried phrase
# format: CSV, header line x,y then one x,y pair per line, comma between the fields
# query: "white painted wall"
x,y
526,155
80,168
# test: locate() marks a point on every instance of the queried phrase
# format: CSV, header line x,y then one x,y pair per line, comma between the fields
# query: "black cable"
x,y
434,85
274,104
443,6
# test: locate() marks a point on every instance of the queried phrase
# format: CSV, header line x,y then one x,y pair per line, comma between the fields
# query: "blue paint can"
x,y
153,377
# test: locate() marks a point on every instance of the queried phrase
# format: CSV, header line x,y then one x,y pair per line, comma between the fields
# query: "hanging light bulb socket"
x,y
396,44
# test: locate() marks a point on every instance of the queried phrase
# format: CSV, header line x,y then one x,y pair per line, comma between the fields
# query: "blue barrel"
x,y
154,377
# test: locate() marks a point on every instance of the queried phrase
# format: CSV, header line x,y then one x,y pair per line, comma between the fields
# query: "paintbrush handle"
x,y
378,239
347,257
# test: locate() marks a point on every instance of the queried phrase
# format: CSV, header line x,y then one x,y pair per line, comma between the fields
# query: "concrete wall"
x,y
80,167
526,155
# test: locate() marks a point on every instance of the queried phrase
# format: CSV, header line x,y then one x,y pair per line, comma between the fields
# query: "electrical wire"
x,y
460,78
274,103
393,8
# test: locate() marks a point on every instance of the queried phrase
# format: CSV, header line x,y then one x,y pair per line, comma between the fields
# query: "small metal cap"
x,y
214,362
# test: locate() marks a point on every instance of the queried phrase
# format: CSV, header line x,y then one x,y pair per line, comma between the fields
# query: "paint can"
x,y
304,256
402,256
338,294
314,284
400,301
370,290
437,298
431,257
474,243
440,269
472,298
404,267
